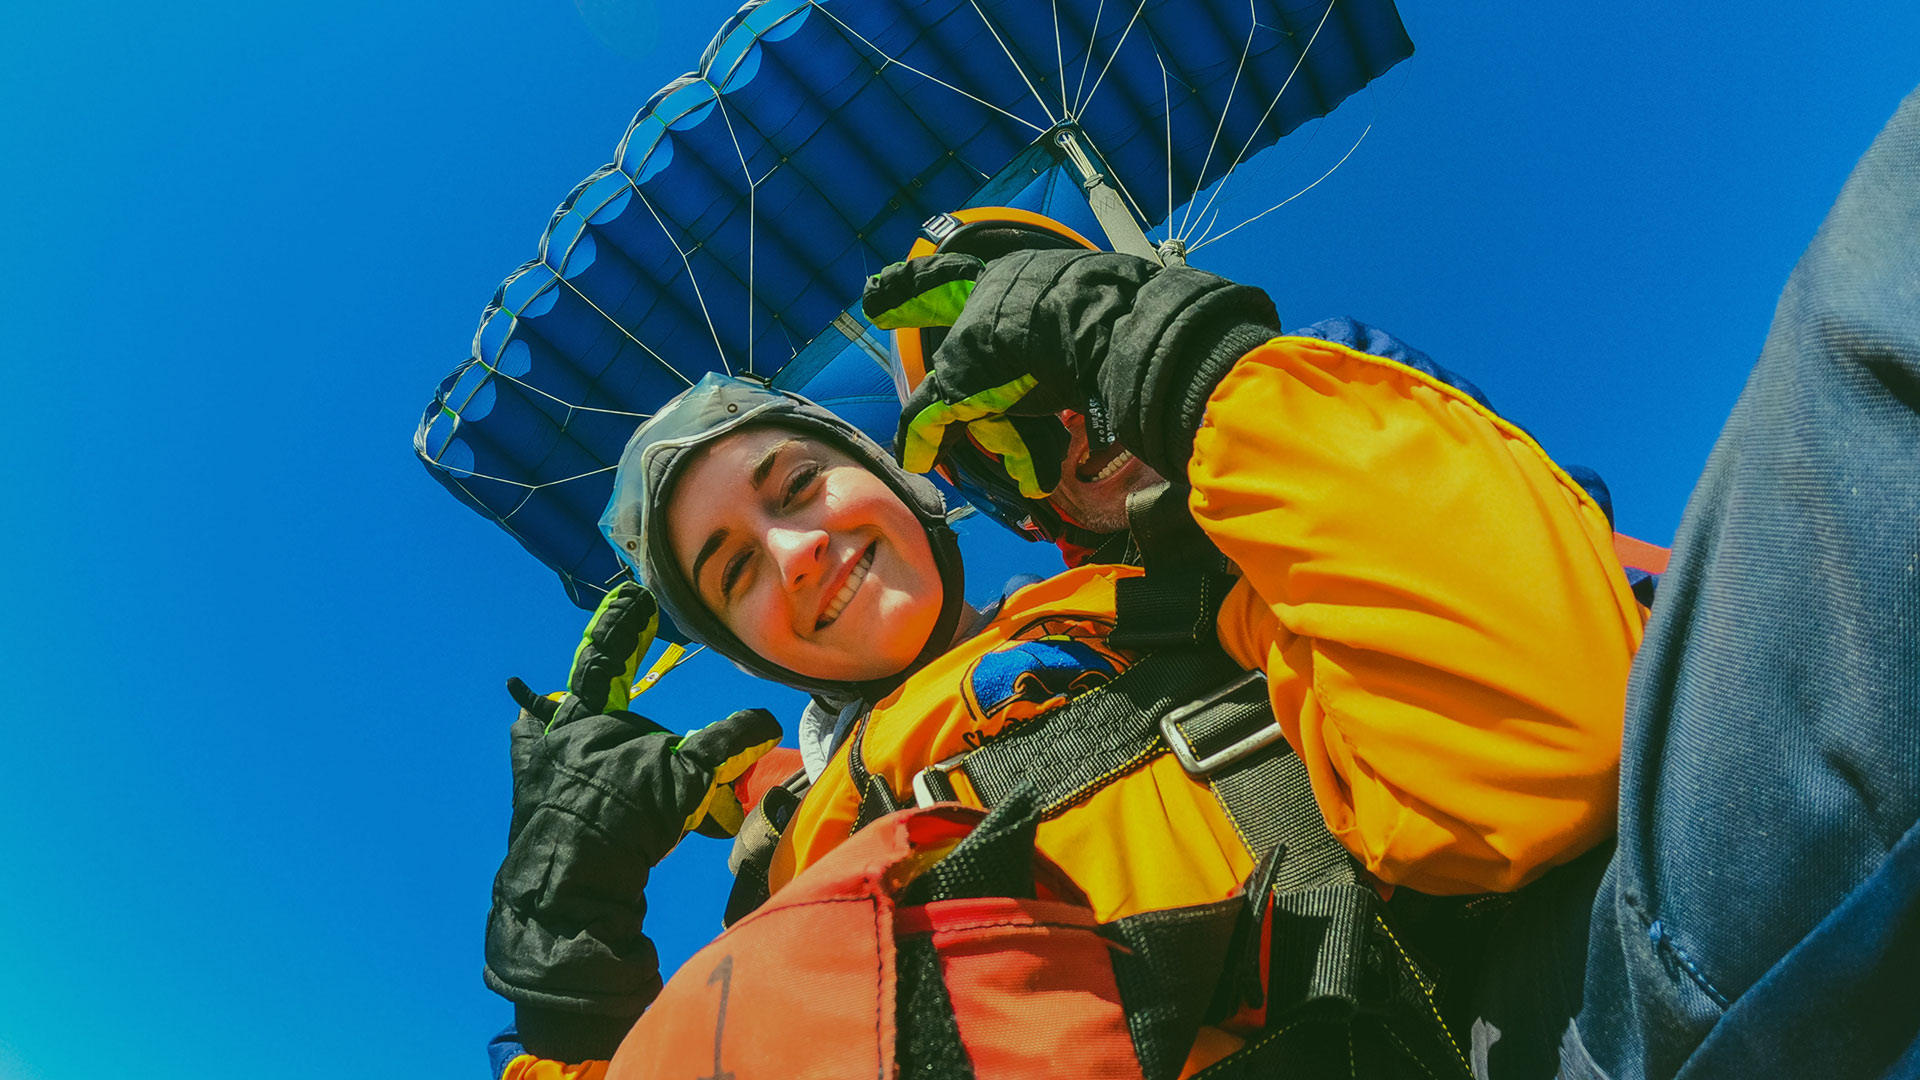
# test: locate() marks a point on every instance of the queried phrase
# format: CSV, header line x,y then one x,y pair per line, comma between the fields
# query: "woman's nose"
x,y
797,553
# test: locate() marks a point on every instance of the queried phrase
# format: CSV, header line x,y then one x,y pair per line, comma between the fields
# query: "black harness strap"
x,y
1075,750
876,798
751,859
1177,600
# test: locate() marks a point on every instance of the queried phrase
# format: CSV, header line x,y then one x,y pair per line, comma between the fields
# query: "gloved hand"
x,y
999,405
1040,331
600,796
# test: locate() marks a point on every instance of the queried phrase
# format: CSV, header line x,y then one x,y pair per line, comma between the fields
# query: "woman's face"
x,y
812,561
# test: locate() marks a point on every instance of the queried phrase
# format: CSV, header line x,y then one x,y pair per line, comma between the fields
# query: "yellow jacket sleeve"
x,y
1444,625
529,1067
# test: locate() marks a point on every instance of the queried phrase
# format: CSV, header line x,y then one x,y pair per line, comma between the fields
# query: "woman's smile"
x,y
855,577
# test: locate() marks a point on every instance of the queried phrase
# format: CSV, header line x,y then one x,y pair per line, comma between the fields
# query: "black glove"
x,y
600,795
1041,331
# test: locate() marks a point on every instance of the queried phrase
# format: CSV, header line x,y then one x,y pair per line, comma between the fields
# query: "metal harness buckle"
x,y
1201,767
923,793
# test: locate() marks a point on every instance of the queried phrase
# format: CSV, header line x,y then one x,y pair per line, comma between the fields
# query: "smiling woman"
x,y
776,532
808,557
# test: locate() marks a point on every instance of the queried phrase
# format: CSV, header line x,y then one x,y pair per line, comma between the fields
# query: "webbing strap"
x,y
1176,601
1073,751
1323,914
1162,527
876,798
1167,609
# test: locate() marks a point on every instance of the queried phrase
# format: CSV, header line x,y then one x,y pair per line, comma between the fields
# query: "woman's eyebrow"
x,y
707,550
766,462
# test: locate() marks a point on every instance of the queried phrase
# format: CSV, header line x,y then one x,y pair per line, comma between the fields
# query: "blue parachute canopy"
x,y
749,200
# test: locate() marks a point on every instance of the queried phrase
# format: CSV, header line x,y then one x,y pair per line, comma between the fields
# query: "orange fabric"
x,y
528,1067
806,991
1641,555
804,986
774,768
1209,1046
1444,625
1032,988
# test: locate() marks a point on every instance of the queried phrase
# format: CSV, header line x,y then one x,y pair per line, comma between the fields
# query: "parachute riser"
x,y
1124,230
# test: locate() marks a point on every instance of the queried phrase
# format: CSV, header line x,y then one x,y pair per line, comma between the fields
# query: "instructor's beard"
x,y
1094,486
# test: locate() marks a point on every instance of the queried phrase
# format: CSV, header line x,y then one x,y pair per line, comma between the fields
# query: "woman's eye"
x,y
797,483
730,575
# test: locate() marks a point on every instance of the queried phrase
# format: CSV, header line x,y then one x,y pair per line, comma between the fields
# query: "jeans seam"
x,y
1657,933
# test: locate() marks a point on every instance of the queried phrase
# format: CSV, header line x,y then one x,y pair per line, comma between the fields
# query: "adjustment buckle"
x,y
930,785
1202,767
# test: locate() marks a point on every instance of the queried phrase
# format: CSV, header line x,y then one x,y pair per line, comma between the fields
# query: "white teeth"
x,y
1119,461
846,592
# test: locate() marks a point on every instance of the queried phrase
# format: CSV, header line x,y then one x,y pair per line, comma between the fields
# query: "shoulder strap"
x,y
876,798
751,858
1176,601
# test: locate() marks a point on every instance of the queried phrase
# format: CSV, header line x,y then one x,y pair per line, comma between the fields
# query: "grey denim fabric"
x,y
1772,755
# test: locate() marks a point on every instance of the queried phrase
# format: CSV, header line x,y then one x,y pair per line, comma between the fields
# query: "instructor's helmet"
x,y
987,233
660,451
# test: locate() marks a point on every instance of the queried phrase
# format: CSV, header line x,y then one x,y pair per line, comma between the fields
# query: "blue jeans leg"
x,y
1772,754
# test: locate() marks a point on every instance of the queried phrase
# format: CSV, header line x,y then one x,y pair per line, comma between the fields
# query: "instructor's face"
x,y
1093,487
812,561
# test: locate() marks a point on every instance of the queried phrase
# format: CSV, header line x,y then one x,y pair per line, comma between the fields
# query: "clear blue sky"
x,y
255,777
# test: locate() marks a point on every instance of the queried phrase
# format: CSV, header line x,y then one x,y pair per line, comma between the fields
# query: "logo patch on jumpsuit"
x,y
1048,662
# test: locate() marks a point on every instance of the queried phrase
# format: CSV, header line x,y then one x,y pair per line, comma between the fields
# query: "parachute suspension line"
x,y
533,487
571,406
615,323
1253,23
510,530
692,278
1336,165
1211,222
1166,102
896,61
1092,36
1052,120
1269,174
1080,107
1298,61
753,191
1060,61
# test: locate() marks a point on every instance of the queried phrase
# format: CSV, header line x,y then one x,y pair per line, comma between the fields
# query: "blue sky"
x,y
255,776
